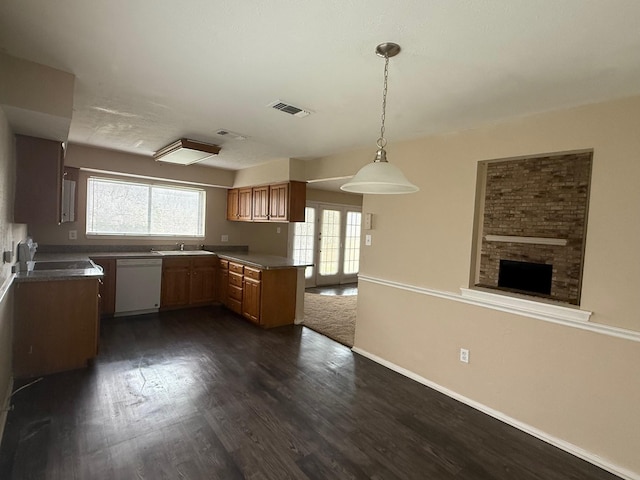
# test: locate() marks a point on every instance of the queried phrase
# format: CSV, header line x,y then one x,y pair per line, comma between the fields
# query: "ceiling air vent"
x,y
223,132
186,152
290,109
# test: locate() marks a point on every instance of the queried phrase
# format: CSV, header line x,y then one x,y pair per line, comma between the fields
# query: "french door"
x,y
330,239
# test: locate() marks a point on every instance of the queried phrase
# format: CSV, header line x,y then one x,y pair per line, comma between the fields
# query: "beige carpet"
x,y
331,315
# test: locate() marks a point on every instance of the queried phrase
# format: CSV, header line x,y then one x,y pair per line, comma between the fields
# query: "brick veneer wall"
x,y
538,197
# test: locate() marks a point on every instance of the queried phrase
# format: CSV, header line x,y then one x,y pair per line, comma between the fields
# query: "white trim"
x,y
4,410
562,242
526,306
517,306
550,439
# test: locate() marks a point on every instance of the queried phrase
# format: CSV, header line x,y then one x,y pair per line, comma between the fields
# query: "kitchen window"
x,y
116,207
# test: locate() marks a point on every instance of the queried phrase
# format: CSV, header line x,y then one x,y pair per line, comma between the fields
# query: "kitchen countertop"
x,y
263,261
266,262
58,274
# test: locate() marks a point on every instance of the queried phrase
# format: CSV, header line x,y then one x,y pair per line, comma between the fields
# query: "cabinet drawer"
x,y
252,273
235,267
235,305
235,279
224,264
235,292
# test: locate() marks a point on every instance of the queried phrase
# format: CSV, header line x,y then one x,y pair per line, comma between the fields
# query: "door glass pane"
x,y
303,238
330,243
352,244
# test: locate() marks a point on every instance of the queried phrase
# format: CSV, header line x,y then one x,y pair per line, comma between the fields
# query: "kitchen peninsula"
x,y
266,289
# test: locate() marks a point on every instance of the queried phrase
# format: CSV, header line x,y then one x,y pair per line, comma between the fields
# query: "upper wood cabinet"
x,y
260,211
281,202
232,204
39,174
239,204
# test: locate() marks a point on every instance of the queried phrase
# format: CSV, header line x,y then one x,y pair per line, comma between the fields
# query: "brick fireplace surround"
x,y
542,202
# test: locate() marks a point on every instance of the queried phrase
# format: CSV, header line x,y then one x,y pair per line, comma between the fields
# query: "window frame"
x,y
150,185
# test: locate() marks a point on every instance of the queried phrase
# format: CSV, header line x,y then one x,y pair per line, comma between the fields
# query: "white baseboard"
x,y
550,439
4,407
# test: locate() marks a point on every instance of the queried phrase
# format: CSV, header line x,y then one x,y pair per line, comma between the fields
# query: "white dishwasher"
x,y
138,285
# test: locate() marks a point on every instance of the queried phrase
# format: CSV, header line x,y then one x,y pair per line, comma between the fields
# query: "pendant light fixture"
x,y
380,177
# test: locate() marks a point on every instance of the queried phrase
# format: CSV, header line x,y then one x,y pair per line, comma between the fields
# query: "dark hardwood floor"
x,y
202,394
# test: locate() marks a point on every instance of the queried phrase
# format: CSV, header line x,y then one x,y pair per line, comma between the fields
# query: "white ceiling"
x,y
151,71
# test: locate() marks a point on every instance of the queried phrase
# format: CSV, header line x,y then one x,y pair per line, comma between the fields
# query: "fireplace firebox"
x,y
525,276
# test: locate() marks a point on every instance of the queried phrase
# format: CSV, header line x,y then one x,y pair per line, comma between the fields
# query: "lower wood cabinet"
x,y
107,285
235,292
223,281
251,289
267,297
56,326
188,281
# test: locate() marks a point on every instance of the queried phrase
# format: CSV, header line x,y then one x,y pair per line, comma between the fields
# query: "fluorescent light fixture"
x,y
186,152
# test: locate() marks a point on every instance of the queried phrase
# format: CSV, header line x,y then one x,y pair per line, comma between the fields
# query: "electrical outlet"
x,y
224,238
73,234
464,355
277,229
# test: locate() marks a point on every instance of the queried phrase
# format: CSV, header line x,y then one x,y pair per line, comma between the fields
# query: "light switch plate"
x,y
368,221
367,240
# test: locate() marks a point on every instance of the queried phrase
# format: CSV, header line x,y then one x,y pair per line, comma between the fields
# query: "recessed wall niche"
x,y
531,219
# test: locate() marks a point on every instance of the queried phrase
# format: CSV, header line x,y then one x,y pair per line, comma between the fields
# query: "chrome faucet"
x,y
181,245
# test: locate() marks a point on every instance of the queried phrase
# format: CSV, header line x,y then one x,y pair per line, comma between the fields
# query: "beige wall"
x,y
10,235
326,196
36,99
262,238
580,387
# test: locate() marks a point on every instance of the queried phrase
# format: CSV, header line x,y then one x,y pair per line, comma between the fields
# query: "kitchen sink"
x,y
64,265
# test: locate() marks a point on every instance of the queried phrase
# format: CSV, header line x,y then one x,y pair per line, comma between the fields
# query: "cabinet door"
x,y
107,285
175,282
278,205
57,332
223,281
232,204
39,170
203,280
260,204
251,299
245,204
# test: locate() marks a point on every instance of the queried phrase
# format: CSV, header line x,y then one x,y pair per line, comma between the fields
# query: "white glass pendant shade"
x,y
379,178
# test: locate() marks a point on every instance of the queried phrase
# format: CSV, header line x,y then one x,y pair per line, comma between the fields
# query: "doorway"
x,y
330,239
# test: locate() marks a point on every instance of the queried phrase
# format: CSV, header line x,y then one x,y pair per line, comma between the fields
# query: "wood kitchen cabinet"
x,y
260,198
188,281
239,204
251,288
223,281
107,285
57,332
267,297
235,292
202,287
281,202
39,174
